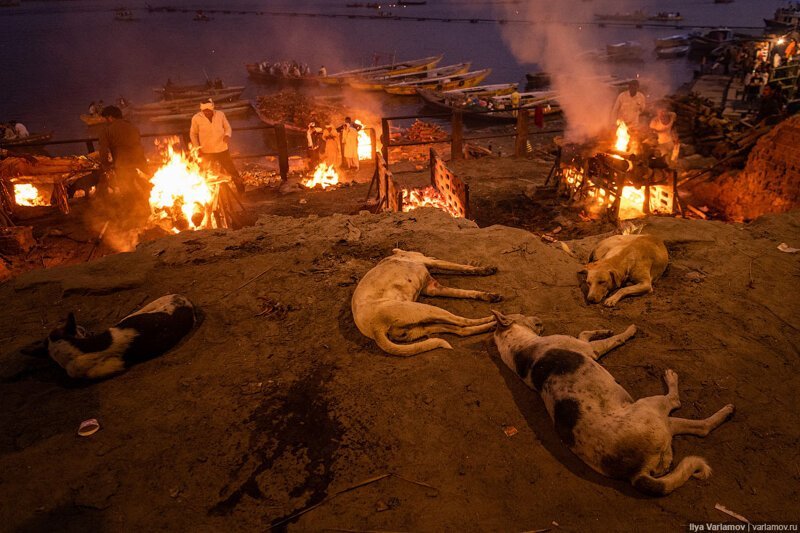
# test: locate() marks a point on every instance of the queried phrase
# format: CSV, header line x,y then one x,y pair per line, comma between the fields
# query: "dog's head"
x,y
599,282
508,323
70,330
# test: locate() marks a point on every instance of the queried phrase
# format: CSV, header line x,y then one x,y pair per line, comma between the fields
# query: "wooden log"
x,y
16,240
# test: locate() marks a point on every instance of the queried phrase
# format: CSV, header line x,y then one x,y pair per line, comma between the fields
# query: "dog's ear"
x,y
35,349
71,327
502,320
583,272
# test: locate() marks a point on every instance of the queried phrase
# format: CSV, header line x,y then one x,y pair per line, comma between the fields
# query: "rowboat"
x,y
379,82
255,73
706,42
442,83
30,139
202,93
225,95
673,40
179,91
672,52
471,111
416,65
188,108
498,89
238,110
538,80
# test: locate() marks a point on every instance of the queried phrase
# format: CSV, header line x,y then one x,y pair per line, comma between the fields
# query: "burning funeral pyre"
x,y
325,174
427,197
621,180
187,196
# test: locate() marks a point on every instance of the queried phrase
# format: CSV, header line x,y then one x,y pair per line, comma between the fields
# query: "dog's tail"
x,y
691,466
406,350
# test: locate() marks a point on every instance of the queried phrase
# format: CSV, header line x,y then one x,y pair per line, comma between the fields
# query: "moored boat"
x,y
785,17
480,111
230,111
442,83
538,80
225,95
703,43
636,16
497,89
258,74
672,52
185,108
377,83
667,17
400,67
30,139
673,40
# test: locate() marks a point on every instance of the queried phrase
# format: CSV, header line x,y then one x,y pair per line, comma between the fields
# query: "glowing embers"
x,y
26,194
183,195
324,176
427,197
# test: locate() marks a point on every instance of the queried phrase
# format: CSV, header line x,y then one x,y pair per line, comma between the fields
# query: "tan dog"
x,y
593,415
638,259
385,308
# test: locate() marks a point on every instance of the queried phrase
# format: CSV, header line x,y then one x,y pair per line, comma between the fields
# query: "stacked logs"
x,y
294,109
420,131
700,126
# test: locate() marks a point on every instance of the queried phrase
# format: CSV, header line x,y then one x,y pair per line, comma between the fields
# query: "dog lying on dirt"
x,y
149,332
385,308
640,259
593,415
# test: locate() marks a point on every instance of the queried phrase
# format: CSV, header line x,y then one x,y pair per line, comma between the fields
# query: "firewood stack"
x,y
295,109
699,126
419,131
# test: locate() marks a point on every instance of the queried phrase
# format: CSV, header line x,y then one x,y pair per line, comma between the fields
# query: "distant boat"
x,y
399,67
625,51
672,52
443,83
706,42
529,100
636,16
373,83
497,89
30,139
667,17
124,15
673,40
9,3
201,17
538,80
785,18
723,1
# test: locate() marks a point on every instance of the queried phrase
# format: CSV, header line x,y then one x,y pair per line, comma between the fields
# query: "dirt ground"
x,y
277,404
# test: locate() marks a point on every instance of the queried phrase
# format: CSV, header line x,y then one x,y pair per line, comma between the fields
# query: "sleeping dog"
x,y
593,415
145,334
640,259
385,308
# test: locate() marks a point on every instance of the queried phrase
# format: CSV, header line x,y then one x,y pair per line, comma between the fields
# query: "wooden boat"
x,y
182,91
201,94
636,16
784,18
538,80
442,83
30,139
187,108
673,40
672,52
402,67
479,113
704,43
625,51
225,95
256,74
667,17
484,91
378,83
232,111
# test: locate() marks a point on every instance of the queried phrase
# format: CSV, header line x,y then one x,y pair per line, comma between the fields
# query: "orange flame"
x,y
182,193
631,202
28,195
364,145
623,137
427,197
325,176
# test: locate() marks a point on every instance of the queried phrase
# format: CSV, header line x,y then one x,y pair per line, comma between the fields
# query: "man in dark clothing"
x,y
122,142
771,105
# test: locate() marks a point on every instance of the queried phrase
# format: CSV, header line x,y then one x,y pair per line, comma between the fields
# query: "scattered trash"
x,y
510,431
737,516
303,201
785,248
272,309
88,427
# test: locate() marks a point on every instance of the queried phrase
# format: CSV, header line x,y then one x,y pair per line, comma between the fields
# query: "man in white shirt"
x,y
20,130
629,106
210,133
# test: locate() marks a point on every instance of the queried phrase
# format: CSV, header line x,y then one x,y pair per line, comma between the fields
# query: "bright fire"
x,y
28,195
631,202
623,137
364,145
427,197
325,176
182,193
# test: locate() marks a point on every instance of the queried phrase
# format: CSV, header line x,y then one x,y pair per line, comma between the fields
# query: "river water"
x,y
60,55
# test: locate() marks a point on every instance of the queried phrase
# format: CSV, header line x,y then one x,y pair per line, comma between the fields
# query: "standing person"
x,y
331,153
313,134
93,109
515,100
323,72
629,105
210,133
350,142
121,140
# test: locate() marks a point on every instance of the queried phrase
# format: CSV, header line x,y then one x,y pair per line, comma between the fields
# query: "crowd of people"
x,y
334,146
285,69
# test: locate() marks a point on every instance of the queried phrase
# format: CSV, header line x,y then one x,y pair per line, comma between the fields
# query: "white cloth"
x,y
350,140
207,105
209,135
21,130
627,108
664,131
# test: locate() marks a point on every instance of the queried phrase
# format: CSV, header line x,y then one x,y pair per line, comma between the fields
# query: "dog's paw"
x,y
445,345
703,471
630,331
671,377
728,411
610,302
494,298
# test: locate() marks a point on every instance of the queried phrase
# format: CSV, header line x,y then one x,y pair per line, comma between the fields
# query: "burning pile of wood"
x,y
294,109
699,126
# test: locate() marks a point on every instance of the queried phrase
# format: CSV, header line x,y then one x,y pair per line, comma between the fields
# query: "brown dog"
x,y
636,259
385,308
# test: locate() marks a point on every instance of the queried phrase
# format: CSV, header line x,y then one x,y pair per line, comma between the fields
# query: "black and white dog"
x,y
593,415
149,332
